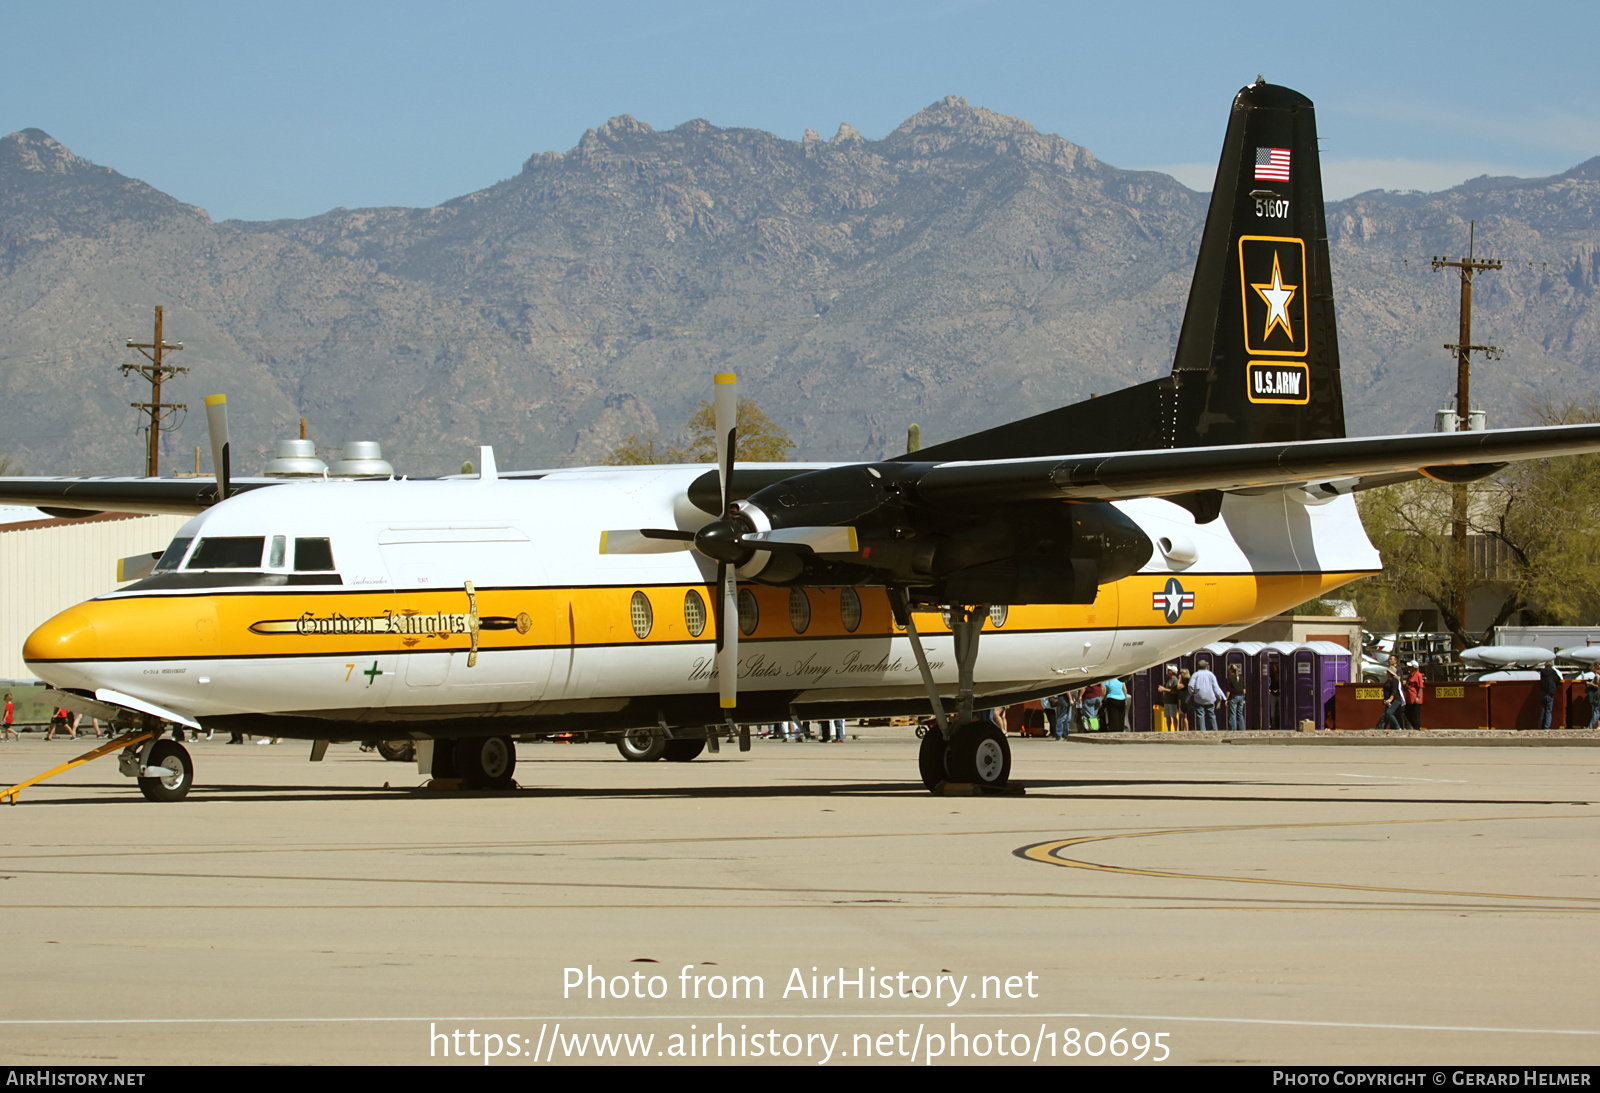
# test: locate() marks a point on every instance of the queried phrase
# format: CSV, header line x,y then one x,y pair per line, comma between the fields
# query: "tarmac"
x,y
1243,904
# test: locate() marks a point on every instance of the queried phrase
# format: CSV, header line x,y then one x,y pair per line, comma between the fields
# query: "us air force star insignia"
x,y
1173,601
1277,295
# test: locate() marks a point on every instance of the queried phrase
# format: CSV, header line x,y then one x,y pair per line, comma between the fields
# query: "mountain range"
x,y
963,271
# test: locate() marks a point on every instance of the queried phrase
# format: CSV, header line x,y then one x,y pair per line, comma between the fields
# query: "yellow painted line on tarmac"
x,y
1049,854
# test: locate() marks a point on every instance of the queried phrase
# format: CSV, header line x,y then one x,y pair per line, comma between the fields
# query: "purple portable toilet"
x,y
1330,665
1273,673
1140,690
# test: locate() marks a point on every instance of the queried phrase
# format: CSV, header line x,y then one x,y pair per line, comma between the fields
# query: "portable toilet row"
x,y
1285,682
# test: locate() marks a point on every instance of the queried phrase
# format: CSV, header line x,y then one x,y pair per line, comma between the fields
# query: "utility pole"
x,y
156,372
1464,350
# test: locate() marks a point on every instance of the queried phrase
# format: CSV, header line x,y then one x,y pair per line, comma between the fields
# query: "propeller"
x,y
725,415
217,426
731,540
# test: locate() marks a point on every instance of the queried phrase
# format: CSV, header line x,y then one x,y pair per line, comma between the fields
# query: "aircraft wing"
x,y
87,496
1449,457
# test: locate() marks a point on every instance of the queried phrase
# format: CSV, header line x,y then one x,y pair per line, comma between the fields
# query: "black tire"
x,y
486,762
397,751
174,786
642,745
978,754
681,751
930,757
444,760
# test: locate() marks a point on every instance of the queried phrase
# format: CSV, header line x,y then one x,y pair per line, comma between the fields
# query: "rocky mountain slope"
x,y
963,271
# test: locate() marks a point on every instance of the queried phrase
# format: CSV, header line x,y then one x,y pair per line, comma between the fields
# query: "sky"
x,y
266,111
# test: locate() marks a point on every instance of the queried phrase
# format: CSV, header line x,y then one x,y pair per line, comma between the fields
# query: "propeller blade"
x,y
725,409
137,567
217,426
727,636
644,541
819,540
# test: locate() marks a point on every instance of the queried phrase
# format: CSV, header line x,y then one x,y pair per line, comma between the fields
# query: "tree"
x,y
9,465
1533,532
760,440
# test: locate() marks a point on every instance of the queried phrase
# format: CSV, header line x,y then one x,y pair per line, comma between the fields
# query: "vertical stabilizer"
x,y
1258,358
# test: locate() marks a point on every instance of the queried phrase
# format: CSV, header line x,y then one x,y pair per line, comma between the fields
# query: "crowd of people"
x,y
1185,701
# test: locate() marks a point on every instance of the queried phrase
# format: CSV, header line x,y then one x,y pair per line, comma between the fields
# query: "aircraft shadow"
x,y
1037,789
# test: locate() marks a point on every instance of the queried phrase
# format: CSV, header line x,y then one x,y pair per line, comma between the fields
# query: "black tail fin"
x,y
1258,357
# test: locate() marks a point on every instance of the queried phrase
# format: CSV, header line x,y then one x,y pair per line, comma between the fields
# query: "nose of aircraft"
x,y
69,636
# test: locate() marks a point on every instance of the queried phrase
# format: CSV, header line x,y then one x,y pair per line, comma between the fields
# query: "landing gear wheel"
x,y
681,751
397,751
486,762
978,754
168,787
642,745
930,757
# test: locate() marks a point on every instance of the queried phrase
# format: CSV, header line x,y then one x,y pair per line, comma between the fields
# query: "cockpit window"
x,y
275,555
228,552
174,554
313,556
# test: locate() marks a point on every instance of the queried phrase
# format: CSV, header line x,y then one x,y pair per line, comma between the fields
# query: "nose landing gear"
x,y
168,772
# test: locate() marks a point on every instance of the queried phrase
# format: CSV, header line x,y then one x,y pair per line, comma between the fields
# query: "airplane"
x,y
1082,543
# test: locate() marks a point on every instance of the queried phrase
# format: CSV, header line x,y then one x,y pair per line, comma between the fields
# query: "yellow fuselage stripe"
x,y
338,622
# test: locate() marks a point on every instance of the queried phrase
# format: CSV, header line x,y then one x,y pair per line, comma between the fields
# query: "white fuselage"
x,y
573,639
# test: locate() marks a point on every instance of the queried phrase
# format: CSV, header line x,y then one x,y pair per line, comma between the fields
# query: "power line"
x,y
157,371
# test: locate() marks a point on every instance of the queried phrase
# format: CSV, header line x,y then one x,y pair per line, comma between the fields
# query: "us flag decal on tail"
x,y
1272,164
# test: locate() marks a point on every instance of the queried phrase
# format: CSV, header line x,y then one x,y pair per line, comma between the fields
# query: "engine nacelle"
x,y
1033,552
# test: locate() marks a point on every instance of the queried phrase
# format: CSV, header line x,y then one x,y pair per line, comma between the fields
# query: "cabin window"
x,y
275,554
749,613
228,552
799,610
313,556
642,616
174,554
694,613
850,609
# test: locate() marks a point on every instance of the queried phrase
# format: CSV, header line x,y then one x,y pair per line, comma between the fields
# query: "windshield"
x,y
228,552
174,554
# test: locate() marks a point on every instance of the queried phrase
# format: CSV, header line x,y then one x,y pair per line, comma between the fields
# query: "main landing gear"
x,y
648,745
964,749
481,762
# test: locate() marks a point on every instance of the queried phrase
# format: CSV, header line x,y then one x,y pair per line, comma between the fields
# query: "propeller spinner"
x,y
731,540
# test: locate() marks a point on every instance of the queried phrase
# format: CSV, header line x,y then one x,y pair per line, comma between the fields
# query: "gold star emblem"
x,y
1277,296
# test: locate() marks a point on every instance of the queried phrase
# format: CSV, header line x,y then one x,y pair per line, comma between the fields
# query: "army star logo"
x,y
1277,295
1173,601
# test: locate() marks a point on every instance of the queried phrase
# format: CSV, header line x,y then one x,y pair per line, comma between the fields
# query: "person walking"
x,y
60,721
1234,686
1094,697
10,733
1206,693
1415,688
1549,684
1185,702
1591,691
1170,694
1394,697
1116,705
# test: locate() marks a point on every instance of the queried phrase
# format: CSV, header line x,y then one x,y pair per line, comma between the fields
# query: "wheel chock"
x,y
973,789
